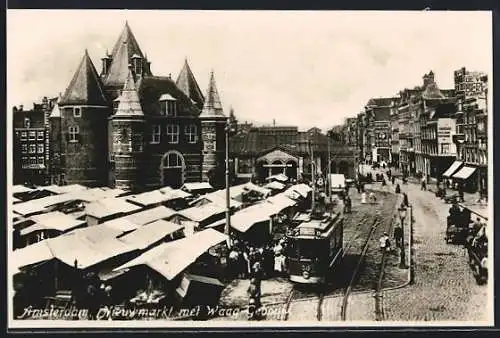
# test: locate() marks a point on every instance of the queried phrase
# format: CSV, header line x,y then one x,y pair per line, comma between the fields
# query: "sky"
x,y
299,68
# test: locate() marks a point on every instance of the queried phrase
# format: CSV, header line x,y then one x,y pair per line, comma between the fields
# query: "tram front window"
x,y
307,249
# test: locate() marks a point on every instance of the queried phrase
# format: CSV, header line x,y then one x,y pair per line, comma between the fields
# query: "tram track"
x,y
319,298
355,275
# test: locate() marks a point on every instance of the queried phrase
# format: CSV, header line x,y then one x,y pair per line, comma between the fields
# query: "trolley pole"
x,y
313,176
329,184
228,203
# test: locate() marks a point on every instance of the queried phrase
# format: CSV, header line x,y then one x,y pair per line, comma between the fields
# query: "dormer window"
x,y
77,112
116,102
27,122
137,64
168,105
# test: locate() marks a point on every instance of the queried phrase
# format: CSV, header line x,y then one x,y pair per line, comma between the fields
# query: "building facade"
x,y
265,151
31,153
471,137
126,127
378,129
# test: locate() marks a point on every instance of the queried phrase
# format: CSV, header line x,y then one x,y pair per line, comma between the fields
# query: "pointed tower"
x,y
213,123
187,83
83,111
125,52
126,128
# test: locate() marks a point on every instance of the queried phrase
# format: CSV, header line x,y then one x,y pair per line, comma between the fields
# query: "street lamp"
x,y
227,227
402,215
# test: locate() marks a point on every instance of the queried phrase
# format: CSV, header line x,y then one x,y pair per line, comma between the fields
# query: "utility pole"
x,y
329,184
228,203
313,176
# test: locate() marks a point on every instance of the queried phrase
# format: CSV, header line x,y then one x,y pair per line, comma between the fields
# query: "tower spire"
x,y
129,99
212,106
187,83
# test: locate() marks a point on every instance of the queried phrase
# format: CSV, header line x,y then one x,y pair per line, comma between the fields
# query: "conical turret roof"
x,y
212,106
130,104
187,83
125,48
85,87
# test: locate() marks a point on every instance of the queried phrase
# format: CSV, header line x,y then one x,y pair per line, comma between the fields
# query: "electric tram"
x,y
314,247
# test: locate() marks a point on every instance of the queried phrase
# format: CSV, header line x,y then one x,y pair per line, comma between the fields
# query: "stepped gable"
x,y
86,87
187,83
212,106
129,103
151,88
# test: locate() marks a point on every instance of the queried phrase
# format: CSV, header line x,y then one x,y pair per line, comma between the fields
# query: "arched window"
x,y
173,160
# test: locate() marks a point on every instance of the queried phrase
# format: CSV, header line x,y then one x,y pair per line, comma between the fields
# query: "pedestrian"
x,y
405,200
363,197
423,184
358,186
372,197
233,264
393,179
398,236
384,242
347,204
461,193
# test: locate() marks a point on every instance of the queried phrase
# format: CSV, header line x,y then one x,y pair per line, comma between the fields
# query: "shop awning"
x,y
452,169
464,173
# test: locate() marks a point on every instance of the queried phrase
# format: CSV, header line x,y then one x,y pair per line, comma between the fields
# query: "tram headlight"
x,y
305,274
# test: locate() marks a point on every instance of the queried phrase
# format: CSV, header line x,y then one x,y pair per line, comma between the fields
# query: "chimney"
x,y
21,107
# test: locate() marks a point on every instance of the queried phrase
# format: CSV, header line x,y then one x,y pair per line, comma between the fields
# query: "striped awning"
x,y
452,169
464,173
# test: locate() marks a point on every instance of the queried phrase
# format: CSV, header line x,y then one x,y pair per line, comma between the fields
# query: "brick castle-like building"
x,y
131,129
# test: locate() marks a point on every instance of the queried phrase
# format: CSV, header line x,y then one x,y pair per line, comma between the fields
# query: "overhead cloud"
x,y
301,68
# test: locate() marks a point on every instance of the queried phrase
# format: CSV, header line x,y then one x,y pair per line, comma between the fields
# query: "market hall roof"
x,y
85,87
260,140
187,83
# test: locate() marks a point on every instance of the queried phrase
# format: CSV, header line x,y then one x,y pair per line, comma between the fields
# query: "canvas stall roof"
x,y
275,185
452,169
32,254
217,197
121,224
337,181
278,177
203,279
170,259
253,187
281,201
150,215
110,206
152,197
39,205
63,189
246,218
194,186
73,246
52,221
175,193
464,173
98,233
19,189
302,189
199,214
150,233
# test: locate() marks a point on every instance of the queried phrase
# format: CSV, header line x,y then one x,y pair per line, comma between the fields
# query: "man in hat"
x,y
385,244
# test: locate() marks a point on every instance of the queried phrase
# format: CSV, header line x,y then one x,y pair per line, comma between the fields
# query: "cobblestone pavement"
x,y
444,288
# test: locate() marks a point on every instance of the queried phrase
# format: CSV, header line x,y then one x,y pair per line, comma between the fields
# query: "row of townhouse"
x,y
438,134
